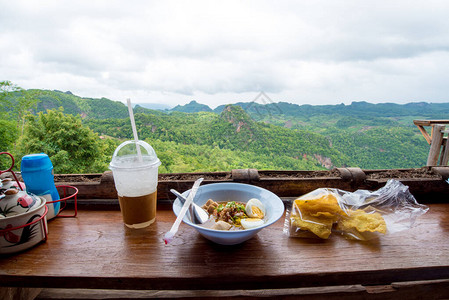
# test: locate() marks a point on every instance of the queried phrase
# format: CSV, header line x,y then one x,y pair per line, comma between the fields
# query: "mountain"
x,y
281,113
192,107
154,106
100,108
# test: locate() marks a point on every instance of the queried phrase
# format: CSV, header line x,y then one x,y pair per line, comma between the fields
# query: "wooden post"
x,y
435,146
445,154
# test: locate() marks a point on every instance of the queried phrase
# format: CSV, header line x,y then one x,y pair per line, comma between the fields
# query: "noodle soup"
x,y
233,215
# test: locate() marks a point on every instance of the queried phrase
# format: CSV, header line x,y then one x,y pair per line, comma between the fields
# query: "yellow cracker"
x,y
320,227
362,222
327,203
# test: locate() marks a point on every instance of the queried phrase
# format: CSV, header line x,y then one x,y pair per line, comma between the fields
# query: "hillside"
x,y
275,135
380,110
374,147
234,130
98,108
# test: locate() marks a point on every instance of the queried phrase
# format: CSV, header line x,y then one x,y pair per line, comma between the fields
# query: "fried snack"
x,y
318,214
327,204
321,227
363,222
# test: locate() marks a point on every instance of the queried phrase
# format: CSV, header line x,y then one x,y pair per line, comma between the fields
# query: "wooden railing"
x,y
424,183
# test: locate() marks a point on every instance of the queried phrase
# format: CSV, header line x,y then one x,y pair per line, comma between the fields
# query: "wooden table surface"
x,y
96,251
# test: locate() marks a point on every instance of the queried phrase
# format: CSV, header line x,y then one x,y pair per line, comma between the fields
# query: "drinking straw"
x,y
170,235
133,125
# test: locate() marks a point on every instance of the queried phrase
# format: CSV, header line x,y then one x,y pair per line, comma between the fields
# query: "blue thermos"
x,y
37,173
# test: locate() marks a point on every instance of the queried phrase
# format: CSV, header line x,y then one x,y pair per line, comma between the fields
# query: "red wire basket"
x,y
68,192
10,169
65,193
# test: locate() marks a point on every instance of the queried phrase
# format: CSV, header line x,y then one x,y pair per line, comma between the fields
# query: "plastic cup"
x,y
136,177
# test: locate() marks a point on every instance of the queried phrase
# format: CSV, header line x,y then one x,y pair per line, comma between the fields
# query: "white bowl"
x,y
16,240
220,192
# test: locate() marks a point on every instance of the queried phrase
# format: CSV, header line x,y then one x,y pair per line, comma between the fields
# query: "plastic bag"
x,y
359,215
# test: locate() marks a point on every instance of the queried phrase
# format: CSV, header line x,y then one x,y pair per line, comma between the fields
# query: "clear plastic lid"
x,y
126,156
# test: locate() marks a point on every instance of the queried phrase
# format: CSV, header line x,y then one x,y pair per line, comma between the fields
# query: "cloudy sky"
x,y
218,52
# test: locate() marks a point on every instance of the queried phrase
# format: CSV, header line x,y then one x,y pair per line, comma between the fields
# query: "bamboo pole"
x,y
435,146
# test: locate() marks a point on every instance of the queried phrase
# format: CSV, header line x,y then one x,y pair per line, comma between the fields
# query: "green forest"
x,y
80,134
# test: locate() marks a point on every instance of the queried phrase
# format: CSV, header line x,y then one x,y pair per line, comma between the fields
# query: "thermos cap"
x,y
36,162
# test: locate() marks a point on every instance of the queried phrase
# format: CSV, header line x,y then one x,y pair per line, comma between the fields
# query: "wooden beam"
x,y
425,134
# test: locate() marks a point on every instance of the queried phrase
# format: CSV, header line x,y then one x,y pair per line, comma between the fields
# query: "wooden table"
x,y
422,123
439,144
96,251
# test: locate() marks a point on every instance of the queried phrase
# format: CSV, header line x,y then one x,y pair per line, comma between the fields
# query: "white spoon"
x,y
199,215
168,237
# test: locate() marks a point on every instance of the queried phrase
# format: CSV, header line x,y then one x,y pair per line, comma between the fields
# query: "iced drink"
x,y
136,176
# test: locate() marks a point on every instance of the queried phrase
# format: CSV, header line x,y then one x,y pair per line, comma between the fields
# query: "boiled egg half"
x,y
255,209
250,223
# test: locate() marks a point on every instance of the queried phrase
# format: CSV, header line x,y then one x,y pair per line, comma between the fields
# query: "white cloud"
x,y
220,52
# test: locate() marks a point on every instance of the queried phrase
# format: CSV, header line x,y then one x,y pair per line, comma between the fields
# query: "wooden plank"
x,y
429,122
198,294
406,290
96,251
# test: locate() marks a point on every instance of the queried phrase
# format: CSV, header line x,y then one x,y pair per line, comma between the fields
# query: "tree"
x,y
8,132
71,146
25,101
15,104
8,135
7,87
